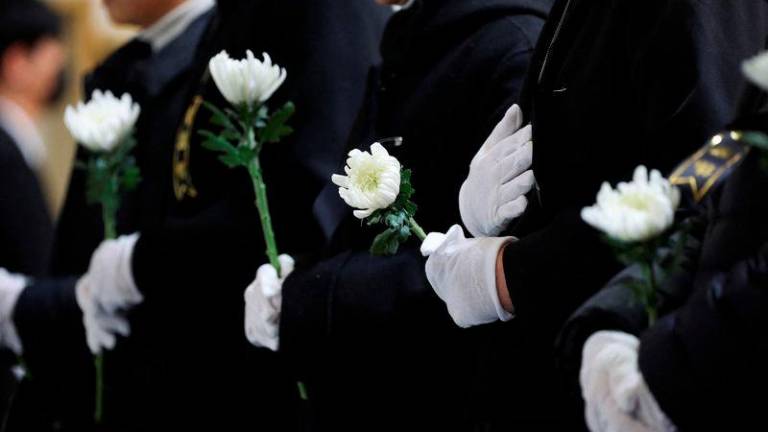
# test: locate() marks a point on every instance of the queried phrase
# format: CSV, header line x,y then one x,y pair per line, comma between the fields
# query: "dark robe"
x,y
375,346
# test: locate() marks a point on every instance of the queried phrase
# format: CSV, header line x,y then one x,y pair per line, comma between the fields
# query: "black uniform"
x,y
613,84
26,228
704,356
376,347
187,361
26,235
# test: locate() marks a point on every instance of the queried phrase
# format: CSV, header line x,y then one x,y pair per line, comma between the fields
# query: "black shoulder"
x,y
9,152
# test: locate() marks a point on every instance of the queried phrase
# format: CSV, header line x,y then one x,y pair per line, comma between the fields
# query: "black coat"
x,y
187,361
26,235
705,361
26,228
375,345
613,84
706,354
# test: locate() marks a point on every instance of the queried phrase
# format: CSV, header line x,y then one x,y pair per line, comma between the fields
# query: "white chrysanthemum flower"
x,y
247,81
104,122
372,181
636,211
756,70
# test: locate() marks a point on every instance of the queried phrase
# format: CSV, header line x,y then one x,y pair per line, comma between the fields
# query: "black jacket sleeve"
x,y
49,324
702,361
615,306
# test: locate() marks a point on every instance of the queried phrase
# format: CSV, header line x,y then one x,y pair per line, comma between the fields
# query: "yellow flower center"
x,y
637,202
368,177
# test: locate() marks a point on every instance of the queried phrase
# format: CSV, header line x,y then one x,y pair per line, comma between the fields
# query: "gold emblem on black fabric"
x,y
702,171
182,179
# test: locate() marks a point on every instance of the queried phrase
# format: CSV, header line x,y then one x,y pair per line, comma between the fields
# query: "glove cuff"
x,y
11,287
125,267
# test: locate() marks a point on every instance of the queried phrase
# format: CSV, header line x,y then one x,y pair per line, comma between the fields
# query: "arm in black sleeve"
x,y
615,306
703,361
49,323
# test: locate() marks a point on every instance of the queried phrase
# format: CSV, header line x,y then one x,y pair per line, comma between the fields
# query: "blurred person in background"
x,y
31,65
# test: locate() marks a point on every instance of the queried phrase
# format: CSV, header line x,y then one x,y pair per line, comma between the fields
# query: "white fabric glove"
x,y
106,291
11,286
263,299
493,194
616,396
463,274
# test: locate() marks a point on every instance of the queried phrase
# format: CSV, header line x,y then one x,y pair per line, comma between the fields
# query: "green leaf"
x,y
386,243
246,154
131,177
230,155
275,127
375,218
231,160
406,188
756,139
220,117
410,208
396,219
216,142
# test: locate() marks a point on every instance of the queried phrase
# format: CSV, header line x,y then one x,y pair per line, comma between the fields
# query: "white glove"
x,y
11,286
107,291
263,299
499,177
616,396
463,274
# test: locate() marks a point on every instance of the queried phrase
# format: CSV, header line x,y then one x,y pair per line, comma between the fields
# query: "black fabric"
x,y
704,361
187,361
26,228
375,345
696,359
26,234
613,84
49,324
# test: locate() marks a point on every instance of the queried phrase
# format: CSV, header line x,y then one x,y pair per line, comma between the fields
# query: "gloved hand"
x,y
11,286
493,194
463,274
616,397
263,299
107,291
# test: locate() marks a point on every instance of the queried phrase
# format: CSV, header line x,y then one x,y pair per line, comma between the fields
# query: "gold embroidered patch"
x,y
702,171
182,179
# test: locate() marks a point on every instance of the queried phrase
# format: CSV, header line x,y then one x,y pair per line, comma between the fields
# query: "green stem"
x,y
98,362
650,300
109,218
302,391
417,229
260,189
110,225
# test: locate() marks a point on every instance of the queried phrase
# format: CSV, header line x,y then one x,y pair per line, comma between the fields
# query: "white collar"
x,y
23,130
405,6
170,26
